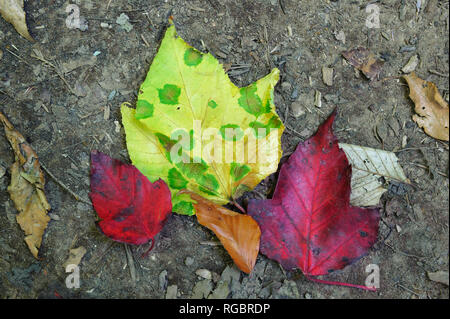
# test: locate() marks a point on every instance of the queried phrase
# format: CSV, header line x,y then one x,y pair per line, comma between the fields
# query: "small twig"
x,y
130,264
145,41
438,73
407,289
403,253
282,6
78,198
425,167
56,70
18,57
211,243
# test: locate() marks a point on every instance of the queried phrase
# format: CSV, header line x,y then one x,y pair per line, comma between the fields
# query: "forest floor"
x,y
104,66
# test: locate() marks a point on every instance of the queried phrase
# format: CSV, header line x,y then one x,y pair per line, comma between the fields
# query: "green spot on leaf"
x,y
250,101
212,104
192,57
169,94
274,122
208,184
193,170
238,172
184,208
176,180
144,109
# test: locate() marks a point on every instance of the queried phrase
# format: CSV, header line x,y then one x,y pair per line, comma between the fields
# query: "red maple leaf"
x,y
132,209
309,223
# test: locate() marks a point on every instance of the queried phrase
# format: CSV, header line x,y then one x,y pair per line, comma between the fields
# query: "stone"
x,y
202,289
204,273
327,75
288,290
171,292
297,109
411,65
221,292
189,261
162,280
439,276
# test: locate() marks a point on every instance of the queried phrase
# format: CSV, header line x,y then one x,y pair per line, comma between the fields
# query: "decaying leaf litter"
x,y
313,128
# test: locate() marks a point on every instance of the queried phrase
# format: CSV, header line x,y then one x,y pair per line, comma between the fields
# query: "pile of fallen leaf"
x,y
322,215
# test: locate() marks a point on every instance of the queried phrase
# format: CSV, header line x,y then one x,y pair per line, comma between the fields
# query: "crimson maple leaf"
x,y
132,209
309,223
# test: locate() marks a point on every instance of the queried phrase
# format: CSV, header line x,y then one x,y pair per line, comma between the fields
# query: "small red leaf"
x,y
309,223
133,210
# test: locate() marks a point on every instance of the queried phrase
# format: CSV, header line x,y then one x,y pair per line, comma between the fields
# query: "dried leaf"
x,y
238,233
362,59
27,189
12,11
75,256
368,166
432,110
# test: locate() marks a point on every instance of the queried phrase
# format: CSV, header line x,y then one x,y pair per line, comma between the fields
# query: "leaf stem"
x,y
336,283
239,207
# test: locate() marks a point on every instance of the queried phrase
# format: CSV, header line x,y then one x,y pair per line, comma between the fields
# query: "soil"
x,y
103,67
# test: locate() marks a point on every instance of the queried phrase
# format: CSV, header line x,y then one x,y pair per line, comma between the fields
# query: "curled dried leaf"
x,y
362,59
27,189
238,233
12,11
432,111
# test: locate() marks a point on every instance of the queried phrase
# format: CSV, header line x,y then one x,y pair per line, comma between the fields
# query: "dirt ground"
x,y
104,66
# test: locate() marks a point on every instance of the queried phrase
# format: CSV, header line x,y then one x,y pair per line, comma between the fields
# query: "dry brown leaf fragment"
x,y
432,111
27,188
12,11
75,256
362,59
238,233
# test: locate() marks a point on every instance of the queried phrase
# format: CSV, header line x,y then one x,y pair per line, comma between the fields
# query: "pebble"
x,y
221,292
2,171
318,99
162,279
297,108
411,65
439,276
202,289
327,75
286,86
204,273
123,21
54,216
189,261
171,292
340,36
407,48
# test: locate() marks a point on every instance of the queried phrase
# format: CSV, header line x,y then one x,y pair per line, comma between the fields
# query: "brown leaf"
x,y
12,12
432,110
27,189
238,233
75,256
362,59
